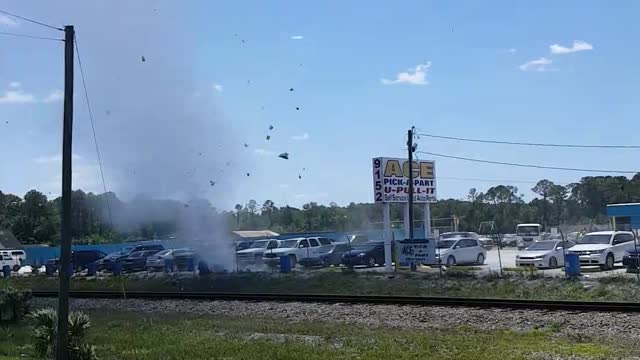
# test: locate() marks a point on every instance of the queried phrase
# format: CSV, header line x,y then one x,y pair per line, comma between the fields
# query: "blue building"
x,y
624,216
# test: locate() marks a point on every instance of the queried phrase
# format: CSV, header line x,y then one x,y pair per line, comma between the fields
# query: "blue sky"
x,y
218,74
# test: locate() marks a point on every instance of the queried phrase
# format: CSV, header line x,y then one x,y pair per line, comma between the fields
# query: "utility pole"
x,y
410,150
62,346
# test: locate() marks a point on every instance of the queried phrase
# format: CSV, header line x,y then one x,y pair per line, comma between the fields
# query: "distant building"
x,y
8,240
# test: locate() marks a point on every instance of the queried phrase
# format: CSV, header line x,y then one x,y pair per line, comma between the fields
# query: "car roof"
x,y
609,232
529,224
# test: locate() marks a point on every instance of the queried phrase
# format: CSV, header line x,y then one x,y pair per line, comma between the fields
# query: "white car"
x,y
296,249
256,250
13,258
603,248
157,260
543,254
460,251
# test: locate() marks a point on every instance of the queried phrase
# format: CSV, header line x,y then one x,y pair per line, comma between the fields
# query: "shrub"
x,y
14,304
45,332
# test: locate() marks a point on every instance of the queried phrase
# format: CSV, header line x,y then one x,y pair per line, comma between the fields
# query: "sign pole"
x,y
427,221
386,221
410,151
406,218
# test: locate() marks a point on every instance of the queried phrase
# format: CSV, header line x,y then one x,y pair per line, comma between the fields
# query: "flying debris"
x,y
108,112
186,205
304,169
228,163
268,137
284,156
270,127
291,89
143,59
297,108
199,153
212,183
299,176
248,174
246,145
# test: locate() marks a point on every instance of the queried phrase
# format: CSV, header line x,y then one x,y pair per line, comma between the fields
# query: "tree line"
x,y
103,218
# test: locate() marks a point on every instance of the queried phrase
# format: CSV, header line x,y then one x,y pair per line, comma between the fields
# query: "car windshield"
x,y
528,230
163,252
543,245
288,244
595,239
446,244
137,254
452,235
364,247
260,244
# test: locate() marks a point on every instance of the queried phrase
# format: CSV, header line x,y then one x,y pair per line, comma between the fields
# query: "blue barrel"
x,y
92,269
285,264
49,270
116,268
572,264
6,271
168,265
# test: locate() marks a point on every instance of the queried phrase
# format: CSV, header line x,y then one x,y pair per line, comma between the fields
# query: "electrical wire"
x,y
93,130
531,144
29,36
489,180
528,165
30,20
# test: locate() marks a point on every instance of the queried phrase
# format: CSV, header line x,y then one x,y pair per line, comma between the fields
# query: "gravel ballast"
x,y
407,317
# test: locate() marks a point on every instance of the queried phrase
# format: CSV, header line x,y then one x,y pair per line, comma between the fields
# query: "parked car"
x,y
243,244
156,261
631,259
297,249
13,257
369,254
509,240
79,258
137,260
604,248
459,235
332,257
455,251
105,264
544,254
181,259
256,250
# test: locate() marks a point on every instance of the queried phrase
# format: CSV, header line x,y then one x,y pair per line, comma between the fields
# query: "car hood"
x,y
534,253
250,251
589,247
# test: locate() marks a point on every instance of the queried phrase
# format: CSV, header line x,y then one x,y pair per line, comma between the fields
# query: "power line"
x,y
529,165
31,20
93,130
29,36
531,144
489,180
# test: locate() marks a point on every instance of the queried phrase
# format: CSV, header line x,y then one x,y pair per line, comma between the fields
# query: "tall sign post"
x,y
391,185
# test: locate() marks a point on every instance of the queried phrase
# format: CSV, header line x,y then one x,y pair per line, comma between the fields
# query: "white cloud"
x,y
541,64
55,95
8,21
15,84
16,97
53,159
217,87
302,137
414,76
578,45
297,37
264,152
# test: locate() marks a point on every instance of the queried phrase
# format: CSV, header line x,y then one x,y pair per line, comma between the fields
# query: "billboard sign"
x,y
391,180
422,251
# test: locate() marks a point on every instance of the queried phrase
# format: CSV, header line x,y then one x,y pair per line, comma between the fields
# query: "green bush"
x,y
14,304
45,333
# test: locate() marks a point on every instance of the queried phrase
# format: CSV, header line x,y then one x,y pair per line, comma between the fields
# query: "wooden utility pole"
x,y
62,346
410,150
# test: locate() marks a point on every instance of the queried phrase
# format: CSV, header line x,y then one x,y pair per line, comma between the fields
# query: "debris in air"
x,y
108,112
297,108
246,145
284,156
270,127
186,205
248,174
143,59
291,89
228,163
199,153
299,176
212,183
268,137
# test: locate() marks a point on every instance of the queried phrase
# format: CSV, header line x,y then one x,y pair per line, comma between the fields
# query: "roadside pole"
x,y
410,151
62,346
405,217
386,221
427,221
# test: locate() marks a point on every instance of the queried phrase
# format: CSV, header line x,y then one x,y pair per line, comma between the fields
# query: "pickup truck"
x,y
297,249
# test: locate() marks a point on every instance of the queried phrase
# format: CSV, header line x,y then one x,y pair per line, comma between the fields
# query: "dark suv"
x,y
79,258
106,262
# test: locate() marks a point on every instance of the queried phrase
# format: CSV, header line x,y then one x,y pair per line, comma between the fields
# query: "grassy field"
x,y
122,335
522,286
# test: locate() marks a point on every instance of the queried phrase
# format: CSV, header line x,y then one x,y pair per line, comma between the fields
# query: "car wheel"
x,y
553,263
292,261
608,265
480,259
371,262
16,268
451,261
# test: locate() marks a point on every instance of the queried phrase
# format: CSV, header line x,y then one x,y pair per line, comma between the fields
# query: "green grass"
x,y
452,283
122,335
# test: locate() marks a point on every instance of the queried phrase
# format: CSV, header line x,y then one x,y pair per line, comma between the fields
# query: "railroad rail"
x,y
551,305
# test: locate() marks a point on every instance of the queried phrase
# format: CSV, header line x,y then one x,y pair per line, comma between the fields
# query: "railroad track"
x,y
551,305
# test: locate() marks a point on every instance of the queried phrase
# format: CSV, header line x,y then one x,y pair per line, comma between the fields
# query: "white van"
x,y
527,234
13,257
